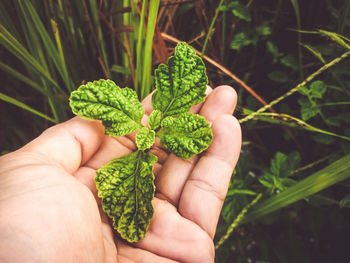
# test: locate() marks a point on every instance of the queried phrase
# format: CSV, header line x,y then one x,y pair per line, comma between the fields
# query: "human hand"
x,y
49,210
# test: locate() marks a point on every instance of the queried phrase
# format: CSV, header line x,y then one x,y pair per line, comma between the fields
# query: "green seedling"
x,y
125,184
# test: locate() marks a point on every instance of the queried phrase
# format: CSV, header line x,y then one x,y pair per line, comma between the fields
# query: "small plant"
x,y
126,184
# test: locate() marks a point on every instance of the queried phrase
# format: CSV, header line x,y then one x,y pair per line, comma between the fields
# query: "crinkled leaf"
x,y
308,109
187,135
126,187
145,138
181,84
154,119
282,165
119,109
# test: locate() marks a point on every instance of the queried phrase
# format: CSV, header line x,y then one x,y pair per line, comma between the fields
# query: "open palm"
x,y
49,210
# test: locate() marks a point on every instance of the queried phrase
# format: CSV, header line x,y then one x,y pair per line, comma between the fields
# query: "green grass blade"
x,y
314,52
6,21
344,17
120,69
125,22
25,107
324,178
17,49
96,21
335,37
48,44
22,78
140,35
147,63
55,30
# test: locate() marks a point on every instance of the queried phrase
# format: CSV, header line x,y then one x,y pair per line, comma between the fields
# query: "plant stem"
x,y
310,165
211,27
237,221
297,88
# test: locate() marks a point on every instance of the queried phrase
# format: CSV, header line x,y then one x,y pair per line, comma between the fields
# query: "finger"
x,y
172,236
175,171
205,190
131,254
222,101
69,144
147,103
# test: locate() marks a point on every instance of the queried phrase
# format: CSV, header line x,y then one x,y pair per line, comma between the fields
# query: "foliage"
x,y
272,47
125,184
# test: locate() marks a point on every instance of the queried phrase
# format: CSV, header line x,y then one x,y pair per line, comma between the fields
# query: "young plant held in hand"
x,y
126,184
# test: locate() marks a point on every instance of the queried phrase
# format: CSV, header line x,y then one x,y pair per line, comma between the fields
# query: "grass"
x,y
262,49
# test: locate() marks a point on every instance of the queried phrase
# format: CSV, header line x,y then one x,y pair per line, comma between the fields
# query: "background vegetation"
x,y
289,198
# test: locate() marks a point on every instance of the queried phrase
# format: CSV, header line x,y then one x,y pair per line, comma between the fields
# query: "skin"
x,y
49,210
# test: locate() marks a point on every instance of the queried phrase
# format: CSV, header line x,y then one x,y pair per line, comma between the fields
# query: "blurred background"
x,y
288,60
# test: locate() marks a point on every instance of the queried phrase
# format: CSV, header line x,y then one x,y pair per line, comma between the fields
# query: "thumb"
x,y
68,144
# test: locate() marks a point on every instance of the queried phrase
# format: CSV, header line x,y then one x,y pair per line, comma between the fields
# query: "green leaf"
x,y
308,110
181,84
345,202
267,180
241,40
314,52
282,165
290,61
285,183
318,88
336,38
324,178
277,163
304,90
119,109
145,138
320,200
263,30
25,107
324,139
154,119
187,135
241,11
278,76
126,187
333,121
273,49
233,192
